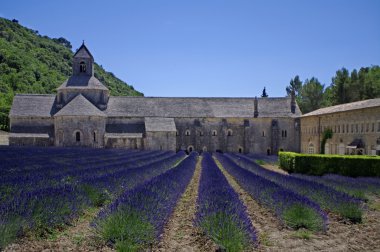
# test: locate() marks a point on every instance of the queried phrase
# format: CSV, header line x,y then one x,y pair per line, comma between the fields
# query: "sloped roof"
x,y
26,105
198,107
82,82
345,107
159,124
79,106
83,52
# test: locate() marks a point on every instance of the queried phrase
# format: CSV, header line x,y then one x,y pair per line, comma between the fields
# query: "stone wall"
x,y
236,134
32,125
363,124
91,131
160,141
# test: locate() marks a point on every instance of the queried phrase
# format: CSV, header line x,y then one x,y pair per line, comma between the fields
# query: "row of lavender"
x,y
136,219
221,215
29,204
326,197
48,173
292,209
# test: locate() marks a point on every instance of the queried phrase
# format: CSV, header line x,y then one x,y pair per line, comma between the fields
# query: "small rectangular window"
x,y
378,127
357,128
373,127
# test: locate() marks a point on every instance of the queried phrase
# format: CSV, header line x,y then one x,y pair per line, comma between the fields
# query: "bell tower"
x,y
83,62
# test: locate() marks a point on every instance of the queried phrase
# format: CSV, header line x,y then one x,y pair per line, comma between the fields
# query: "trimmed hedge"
x,y
317,164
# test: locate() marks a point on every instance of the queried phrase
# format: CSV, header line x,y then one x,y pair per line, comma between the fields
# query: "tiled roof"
x,y
80,106
159,124
345,107
33,105
82,82
198,107
44,106
83,52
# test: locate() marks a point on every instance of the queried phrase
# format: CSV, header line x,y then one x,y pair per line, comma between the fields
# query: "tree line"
x,y
345,87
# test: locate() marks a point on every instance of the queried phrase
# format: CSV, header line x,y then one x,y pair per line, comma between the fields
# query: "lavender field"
x,y
124,200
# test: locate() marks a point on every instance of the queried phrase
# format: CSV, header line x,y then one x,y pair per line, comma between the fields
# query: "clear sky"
x,y
212,48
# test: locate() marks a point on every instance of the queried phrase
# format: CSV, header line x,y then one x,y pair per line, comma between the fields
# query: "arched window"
x,y
229,132
240,150
263,133
94,135
77,136
214,133
82,67
187,133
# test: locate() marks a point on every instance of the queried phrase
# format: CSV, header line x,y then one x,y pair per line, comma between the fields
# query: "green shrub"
x,y
299,216
127,230
225,232
317,164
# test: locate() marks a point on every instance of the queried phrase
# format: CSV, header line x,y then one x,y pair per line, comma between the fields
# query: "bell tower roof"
x,y
83,52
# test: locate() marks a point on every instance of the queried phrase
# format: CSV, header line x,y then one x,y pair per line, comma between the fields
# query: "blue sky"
x,y
213,48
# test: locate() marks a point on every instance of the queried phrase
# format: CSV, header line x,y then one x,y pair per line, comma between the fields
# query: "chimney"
x,y
293,102
256,113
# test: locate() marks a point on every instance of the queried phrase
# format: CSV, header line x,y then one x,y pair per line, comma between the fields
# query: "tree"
x,y
294,85
339,86
264,93
311,95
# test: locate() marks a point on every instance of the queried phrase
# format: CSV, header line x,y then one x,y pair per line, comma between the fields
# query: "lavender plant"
x,y
221,214
292,209
356,187
328,198
136,219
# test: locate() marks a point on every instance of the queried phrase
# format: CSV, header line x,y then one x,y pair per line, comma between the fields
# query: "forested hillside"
x,y
345,87
31,63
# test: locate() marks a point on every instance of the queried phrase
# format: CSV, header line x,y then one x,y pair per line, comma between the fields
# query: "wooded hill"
x,y
36,64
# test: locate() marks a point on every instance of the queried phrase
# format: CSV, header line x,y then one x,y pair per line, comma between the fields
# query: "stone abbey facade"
x,y
83,113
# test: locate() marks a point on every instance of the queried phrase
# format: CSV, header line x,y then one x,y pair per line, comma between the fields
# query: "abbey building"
x,y
83,113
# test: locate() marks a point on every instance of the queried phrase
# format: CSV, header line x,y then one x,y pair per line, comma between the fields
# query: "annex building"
x,y
355,127
83,113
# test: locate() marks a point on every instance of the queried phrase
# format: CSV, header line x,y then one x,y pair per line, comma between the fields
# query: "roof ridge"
x,y
184,97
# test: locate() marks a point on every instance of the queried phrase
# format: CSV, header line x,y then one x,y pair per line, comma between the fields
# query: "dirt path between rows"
x,y
79,237
180,233
341,236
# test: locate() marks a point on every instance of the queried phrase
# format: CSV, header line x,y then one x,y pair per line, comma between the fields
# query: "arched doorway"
x,y
268,152
190,148
327,148
341,149
77,136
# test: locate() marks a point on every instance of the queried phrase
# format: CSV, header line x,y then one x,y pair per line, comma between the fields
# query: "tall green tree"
x,y
311,95
339,87
295,85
